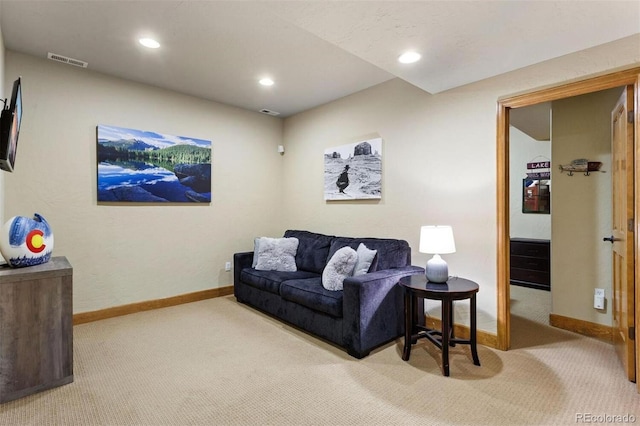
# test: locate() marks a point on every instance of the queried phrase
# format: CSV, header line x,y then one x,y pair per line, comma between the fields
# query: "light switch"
x,y
598,298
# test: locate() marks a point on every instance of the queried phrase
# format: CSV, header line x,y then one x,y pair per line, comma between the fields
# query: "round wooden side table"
x,y
417,287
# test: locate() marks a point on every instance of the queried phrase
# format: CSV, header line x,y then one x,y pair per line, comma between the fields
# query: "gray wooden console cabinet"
x,y
36,328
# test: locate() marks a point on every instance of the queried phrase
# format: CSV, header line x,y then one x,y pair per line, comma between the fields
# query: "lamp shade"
x,y
437,239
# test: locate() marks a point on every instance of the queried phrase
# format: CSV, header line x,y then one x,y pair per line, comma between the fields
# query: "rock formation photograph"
x,y
353,171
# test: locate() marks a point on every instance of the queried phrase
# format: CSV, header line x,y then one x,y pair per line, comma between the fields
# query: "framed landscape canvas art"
x,y
142,166
353,171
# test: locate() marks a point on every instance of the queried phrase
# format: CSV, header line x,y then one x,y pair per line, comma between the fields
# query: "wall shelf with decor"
x,y
581,165
584,173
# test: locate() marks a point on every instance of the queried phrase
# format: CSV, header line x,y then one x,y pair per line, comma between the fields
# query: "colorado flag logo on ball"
x,y
25,241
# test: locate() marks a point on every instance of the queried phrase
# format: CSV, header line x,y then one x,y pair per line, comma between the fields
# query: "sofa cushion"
x,y
313,250
338,268
310,293
365,260
391,253
270,280
277,254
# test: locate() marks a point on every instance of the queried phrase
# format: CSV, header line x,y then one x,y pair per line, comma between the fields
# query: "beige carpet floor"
x,y
216,362
530,304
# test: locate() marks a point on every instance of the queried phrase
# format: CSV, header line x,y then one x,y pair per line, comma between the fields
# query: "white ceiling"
x,y
316,51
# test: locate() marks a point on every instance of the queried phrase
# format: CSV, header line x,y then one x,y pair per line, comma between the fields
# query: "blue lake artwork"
x,y
142,166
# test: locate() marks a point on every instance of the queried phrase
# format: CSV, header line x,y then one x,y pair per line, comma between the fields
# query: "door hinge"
x,y
630,116
630,225
632,333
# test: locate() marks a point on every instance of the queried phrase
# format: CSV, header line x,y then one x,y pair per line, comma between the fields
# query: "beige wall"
x,y
581,206
439,167
128,253
437,170
439,161
524,149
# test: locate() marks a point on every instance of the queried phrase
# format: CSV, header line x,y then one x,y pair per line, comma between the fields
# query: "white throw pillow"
x,y
338,268
277,254
365,259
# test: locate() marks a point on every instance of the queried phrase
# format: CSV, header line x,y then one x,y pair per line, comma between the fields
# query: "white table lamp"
x,y
437,240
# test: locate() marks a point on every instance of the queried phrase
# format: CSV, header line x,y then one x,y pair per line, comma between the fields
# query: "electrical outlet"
x,y
598,298
227,266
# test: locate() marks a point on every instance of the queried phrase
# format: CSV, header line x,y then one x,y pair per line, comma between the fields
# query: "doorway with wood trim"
x,y
622,78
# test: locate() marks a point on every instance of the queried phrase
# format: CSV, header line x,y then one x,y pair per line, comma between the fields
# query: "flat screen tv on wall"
x,y
10,128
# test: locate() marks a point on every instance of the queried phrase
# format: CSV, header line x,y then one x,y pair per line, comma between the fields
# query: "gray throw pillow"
x,y
256,250
365,258
338,268
277,254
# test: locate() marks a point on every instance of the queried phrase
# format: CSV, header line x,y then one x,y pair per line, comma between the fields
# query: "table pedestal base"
x,y
445,337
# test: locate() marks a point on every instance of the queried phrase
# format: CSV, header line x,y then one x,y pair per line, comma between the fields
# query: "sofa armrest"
x,y
373,307
240,261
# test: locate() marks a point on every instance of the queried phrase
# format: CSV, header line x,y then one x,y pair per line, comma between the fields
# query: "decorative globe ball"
x,y
25,241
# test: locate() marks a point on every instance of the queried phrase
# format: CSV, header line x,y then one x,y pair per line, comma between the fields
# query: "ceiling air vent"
x,y
66,60
269,112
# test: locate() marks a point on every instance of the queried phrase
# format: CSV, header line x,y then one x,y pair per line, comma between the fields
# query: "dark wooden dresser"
x,y
531,263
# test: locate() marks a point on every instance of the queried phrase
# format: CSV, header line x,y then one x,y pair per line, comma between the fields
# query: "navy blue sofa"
x,y
367,313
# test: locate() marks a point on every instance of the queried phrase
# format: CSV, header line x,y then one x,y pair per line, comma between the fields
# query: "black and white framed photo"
x,y
353,171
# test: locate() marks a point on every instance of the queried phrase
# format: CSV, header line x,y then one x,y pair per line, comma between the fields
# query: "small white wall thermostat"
x,y
598,298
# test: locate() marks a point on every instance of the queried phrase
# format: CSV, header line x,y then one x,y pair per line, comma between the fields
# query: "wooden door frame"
x,y
574,88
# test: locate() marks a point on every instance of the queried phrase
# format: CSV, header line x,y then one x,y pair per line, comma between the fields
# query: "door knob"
x,y
611,239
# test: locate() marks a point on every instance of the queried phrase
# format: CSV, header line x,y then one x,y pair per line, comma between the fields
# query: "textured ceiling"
x,y
316,51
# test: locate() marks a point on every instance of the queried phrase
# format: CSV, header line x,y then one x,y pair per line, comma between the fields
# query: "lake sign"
x,y
539,165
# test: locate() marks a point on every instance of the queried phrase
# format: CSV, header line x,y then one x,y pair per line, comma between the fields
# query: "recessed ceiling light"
x,y
266,81
409,57
149,42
